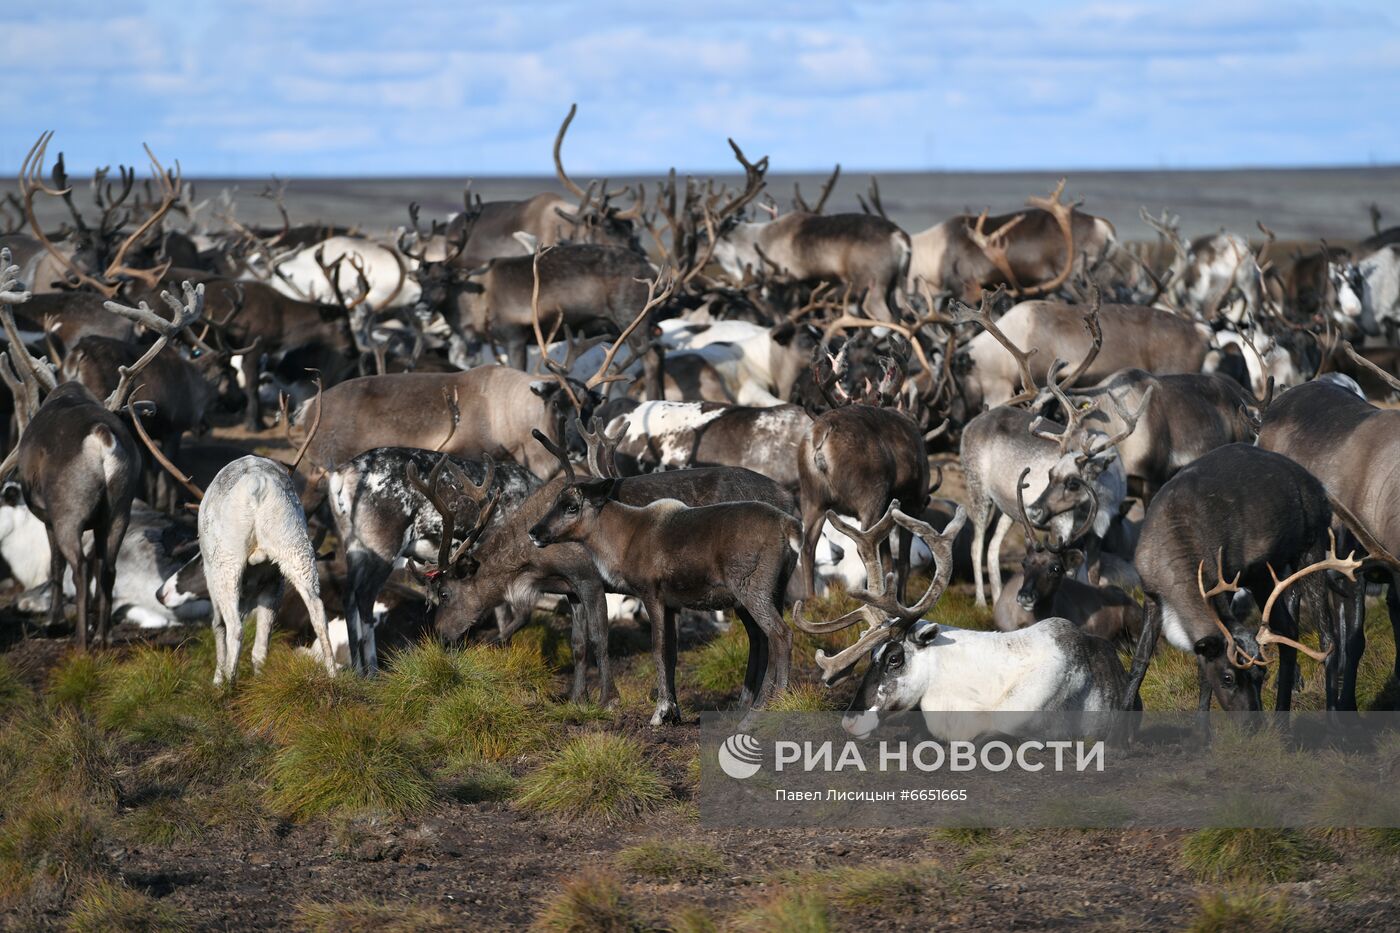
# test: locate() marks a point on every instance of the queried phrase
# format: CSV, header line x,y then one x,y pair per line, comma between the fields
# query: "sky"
x,y
354,88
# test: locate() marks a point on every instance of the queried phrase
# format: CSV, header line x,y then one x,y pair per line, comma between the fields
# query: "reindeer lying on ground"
x,y
920,664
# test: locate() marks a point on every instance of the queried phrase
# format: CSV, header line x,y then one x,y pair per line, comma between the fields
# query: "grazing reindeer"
x,y
1251,510
736,555
1368,291
1209,270
1048,589
251,515
505,567
1064,465
920,664
1351,447
381,515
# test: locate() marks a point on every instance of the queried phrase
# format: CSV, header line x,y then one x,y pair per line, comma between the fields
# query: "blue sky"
x,y
348,87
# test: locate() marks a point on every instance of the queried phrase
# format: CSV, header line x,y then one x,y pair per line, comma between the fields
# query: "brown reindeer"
x,y
735,555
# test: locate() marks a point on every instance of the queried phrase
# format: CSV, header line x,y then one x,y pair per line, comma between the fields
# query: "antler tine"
x,y
1221,584
170,190
477,494
564,179
962,314
1347,566
1073,414
185,314
993,245
1021,516
454,409
1091,324
834,666
940,545
176,473
558,451
602,448
311,432
1370,367
659,291
1130,422
431,492
868,543
754,183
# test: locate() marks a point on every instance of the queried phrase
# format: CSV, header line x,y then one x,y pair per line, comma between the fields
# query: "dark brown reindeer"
x,y
1047,587
1032,251
1250,511
1351,447
734,555
505,567
78,465
856,460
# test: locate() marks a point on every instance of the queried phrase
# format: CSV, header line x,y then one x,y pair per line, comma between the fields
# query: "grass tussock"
x,y
67,753
477,723
78,680
417,677
14,692
672,860
369,916
591,903
145,697
595,777
294,690
48,846
869,888
344,761
162,822
109,907
788,912
1252,855
718,666
1246,911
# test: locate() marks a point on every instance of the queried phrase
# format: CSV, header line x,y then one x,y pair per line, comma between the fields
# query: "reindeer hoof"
x,y
666,714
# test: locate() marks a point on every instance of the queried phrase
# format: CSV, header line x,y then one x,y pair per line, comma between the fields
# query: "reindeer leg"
x,y
1351,642
578,641
593,603
308,588
980,518
906,544
251,371
1392,604
262,630
57,565
663,655
229,607
1285,623
366,573
994,555
777,650
813,517
216,621
1147,643
753,672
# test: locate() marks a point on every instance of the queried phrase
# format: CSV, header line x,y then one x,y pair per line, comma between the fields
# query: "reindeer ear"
x,y
1072,559
598,491
1210,647
544,388
782,334
925,631
11,494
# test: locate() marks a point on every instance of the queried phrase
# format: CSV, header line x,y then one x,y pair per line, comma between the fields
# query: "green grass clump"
x,y
718,666
77,680
347,760
480,782
788,912
145,696
48,845
672,860
956,607
66,753
1246,911
590,903
418,677
1249,854
294,690
870,887
596,777
237,806
478,723
368,916
106,906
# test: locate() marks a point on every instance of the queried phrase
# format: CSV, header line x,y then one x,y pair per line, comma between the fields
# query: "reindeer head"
x,y
1232,660
573,513
1045,566
472,505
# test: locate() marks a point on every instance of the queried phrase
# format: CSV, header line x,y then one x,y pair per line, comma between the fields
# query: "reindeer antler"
x,y
1347,566
881,609
185,314
962,314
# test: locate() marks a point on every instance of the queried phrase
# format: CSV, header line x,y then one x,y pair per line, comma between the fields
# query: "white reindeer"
x,y
251,515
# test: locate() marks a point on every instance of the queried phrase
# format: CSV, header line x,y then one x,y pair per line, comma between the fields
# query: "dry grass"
x,y
369,916
1245,911
590,903
672,860
109,907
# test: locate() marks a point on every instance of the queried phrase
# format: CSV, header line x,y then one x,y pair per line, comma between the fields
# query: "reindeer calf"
x,y
736,555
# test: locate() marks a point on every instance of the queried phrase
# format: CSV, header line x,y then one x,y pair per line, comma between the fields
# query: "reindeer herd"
x,y
695,398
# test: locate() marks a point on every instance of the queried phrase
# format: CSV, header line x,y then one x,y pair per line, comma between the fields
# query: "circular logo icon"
x,y
740,756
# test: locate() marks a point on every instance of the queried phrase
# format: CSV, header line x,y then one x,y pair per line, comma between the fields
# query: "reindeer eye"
x,y
1072,485
571,508
1055,568
1228,678
895,659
